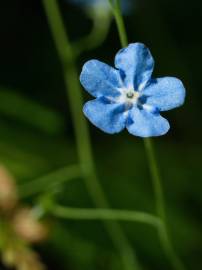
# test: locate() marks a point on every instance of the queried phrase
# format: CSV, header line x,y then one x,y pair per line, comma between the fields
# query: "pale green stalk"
x,y
73,89
105,214
160,206
156,179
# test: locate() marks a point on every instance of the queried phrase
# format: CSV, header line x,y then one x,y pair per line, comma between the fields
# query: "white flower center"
x,y
128,96
131,96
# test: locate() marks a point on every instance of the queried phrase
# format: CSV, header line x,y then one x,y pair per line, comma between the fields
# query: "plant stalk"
x,y
156,179
73,89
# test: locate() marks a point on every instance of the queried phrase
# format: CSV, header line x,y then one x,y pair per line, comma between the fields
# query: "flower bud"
x,y
8,190
28,227
8,256
21,257
29,260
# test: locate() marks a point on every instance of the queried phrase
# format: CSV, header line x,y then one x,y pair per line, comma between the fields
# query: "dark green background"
x,y
36,134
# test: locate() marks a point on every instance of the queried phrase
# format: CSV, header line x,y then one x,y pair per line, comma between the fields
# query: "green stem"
x,y
120,22
105,214
156,179
65,52
160,206
49,181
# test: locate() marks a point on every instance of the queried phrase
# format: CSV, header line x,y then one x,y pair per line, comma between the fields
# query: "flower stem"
x,y
160,206
73,89
156,179
119,21
104,214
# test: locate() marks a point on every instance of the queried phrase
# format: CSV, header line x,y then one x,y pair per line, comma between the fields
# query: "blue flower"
x,y
127,96
90,3
101,4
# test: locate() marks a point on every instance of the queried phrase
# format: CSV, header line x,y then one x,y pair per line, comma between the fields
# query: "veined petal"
x,y
99,79
143,123
136,64
165,93
109,117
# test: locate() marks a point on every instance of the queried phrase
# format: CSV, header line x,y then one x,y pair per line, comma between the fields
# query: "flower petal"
x,y
107,116
165,93
136,63
99,79
143,123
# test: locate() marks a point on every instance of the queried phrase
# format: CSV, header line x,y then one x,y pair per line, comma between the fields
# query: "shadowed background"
x,y
37,137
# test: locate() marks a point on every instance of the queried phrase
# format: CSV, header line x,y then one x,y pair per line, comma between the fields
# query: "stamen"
x,y
130,95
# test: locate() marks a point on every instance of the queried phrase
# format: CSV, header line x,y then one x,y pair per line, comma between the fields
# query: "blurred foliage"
x,y
36,135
